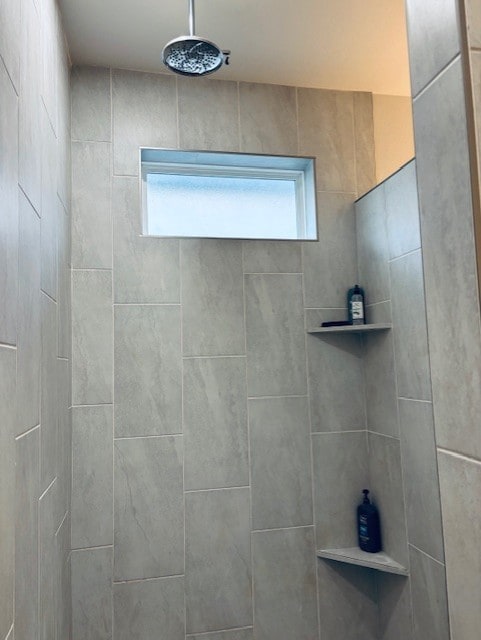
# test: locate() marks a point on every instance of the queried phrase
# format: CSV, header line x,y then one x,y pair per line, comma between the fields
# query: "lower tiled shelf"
x,y
379,561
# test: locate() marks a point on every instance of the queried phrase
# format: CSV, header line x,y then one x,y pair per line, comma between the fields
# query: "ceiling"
x,y
358,45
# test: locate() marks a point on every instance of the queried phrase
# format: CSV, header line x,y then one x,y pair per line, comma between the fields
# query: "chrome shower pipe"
x,y
191,17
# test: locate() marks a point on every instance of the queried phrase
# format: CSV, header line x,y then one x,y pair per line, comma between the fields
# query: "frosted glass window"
x,y
213,195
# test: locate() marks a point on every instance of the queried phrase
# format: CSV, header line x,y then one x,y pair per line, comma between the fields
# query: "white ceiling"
x,y
338,44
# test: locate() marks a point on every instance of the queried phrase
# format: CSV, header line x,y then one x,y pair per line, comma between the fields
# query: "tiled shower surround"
x,y
191,372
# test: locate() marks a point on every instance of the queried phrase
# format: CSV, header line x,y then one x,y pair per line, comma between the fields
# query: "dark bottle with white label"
x,y
355,305
368,525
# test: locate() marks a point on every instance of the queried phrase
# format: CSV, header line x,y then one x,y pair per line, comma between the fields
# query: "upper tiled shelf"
x,y
353,328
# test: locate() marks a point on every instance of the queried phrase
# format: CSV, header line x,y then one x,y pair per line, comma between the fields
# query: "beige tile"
x,y
454,334
10,39
7,487
402,211
340,473
430,606
326,131
47,576
330,265
91,214
421,486
9,195
473,12
364,140
268,118
271,257
144,115
460,483
387,494
395,609
48,12
433,39
64,278
208,114
48,226
90,87
48,392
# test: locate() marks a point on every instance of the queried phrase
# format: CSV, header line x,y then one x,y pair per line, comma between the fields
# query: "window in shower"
x,y
201,194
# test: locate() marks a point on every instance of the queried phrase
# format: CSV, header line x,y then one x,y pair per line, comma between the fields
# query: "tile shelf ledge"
x,y
379,561
353,328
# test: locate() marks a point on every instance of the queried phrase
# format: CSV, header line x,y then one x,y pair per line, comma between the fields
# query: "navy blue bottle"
x,y
368,525
355,305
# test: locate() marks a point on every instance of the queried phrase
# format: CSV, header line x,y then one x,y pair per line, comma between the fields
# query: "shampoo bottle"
x,y
355,305
368,525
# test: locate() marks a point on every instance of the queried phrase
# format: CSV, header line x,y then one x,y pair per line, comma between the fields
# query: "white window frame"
x,y
300,170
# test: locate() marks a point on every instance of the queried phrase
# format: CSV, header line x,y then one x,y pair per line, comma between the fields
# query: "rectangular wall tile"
x,y
387,494
29,325
92,476
341,469
395,608
49,399
347,601
49,52
47,576
30,104
212,298
10,40
218,564
144,115
9,198
330,265
144,609
280,457
48,226
364,140
402,211
7,486
284,567
92,594
421,485
91,215
410,332
148,377
149,518
215,423
90,87
63,591
276,362
430,607
326,130
146,269
449,262
26,535
380,374
335,383
372,246
268,118
64,436
92,328
433,39
64,282
271,256
206,114
460,482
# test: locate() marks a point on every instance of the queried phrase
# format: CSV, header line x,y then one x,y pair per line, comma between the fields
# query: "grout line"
x,y
4,345
150,579
239,121
145,304
27,432
328,433
384,435
405,255
457,454
208,633
100,546
438,75
244,486
273,273
47,489
162,435
101,404
426,554
112,284
48,296
61,523
305,395
29,201
90,269
301,526
415,400
240,355
182,420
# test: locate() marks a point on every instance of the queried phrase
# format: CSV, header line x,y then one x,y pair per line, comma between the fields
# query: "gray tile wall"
x,y
445,61
34,323
402,447
213,385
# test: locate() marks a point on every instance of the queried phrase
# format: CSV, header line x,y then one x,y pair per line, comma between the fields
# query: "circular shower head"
x,y
193,56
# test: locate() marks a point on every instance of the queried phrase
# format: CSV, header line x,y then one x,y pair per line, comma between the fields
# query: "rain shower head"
x,y
191,55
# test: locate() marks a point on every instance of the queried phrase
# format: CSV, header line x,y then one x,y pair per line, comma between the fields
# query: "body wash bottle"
x,y
355,305
368,525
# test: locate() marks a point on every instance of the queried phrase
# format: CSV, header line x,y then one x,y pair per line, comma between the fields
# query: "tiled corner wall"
x,y
442,141
201,411
402,447
34,322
